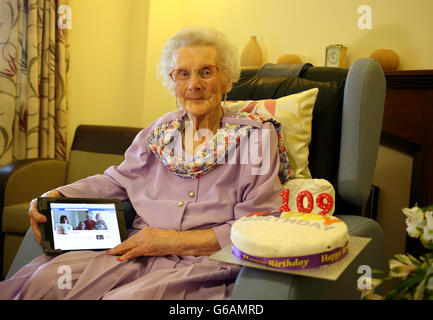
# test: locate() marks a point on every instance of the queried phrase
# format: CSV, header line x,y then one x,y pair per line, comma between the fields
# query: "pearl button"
x,y
180,203
191,194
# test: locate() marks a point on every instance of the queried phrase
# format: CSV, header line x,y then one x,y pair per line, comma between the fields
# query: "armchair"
x,y
346,129
347,122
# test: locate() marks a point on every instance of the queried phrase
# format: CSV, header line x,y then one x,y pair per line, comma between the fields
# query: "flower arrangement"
x,y
412,277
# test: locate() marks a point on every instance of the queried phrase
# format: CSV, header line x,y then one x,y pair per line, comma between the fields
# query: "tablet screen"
x,y
82,226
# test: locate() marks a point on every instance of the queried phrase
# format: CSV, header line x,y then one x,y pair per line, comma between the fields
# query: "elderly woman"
x,y
184,186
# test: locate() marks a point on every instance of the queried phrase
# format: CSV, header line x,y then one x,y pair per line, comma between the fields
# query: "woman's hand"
x,y
36,217
161,242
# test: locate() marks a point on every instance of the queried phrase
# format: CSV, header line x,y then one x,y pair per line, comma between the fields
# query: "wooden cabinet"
x,y
408,127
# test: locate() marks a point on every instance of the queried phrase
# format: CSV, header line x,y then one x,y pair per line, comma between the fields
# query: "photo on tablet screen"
x,y
82,226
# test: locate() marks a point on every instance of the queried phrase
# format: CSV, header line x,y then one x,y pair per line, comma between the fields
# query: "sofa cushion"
x,y
324,151
83,164
104,139
95,148
16,218
27,179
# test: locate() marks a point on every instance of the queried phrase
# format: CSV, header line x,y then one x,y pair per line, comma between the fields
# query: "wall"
x,y
107,63
393,176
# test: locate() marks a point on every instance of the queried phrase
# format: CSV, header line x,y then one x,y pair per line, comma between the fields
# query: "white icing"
x,y
295,235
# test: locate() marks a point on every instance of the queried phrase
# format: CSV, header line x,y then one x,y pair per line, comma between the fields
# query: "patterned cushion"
x,y
295,113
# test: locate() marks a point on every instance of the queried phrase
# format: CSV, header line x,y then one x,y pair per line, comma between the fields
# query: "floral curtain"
x,y
34,61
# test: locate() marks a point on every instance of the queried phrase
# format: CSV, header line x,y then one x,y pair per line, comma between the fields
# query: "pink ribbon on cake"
x,y
296,263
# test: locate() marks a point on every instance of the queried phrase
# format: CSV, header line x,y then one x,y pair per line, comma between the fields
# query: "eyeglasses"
x,y
204,73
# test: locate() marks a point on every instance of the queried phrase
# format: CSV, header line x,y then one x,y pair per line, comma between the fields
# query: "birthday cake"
x,y
290,240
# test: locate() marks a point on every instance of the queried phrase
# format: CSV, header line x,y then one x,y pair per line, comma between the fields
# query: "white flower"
x,y
415,218
429,219
428,229
399,270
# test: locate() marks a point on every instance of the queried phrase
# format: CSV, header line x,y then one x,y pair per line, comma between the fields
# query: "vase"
x,y
252,54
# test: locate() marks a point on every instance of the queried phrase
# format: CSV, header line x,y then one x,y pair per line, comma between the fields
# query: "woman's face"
x,y
198,97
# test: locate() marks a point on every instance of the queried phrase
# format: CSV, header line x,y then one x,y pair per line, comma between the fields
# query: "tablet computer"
x,y
81,224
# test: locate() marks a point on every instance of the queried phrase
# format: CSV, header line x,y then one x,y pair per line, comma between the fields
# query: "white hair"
x,y
200,35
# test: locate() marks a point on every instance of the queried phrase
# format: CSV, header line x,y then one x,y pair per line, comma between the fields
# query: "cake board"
x,y
328,272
